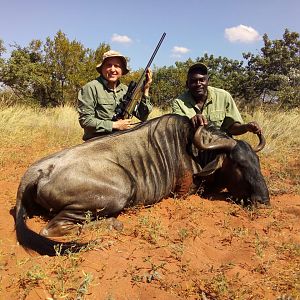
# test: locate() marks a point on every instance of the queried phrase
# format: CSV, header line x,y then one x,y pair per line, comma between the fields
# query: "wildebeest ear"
x,y
205,139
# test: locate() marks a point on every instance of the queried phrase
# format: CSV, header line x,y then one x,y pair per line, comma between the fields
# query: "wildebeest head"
x,y
240,172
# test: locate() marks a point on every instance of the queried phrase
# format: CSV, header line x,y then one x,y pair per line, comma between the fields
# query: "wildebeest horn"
x,y
220,142
262,143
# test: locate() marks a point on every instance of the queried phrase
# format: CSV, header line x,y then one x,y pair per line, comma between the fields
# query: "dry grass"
x,y
281,156
163,246
23,126
281,130
20,123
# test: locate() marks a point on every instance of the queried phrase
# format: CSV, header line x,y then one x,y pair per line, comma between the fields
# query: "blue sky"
x,y
193,27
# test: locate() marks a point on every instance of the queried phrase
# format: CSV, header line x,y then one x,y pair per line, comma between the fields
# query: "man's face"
x,y
112,69
197,84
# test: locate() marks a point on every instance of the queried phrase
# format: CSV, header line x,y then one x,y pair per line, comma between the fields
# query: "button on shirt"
x,y
219,108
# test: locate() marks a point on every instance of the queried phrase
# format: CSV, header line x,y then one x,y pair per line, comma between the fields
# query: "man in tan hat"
x,y
98,99
203,103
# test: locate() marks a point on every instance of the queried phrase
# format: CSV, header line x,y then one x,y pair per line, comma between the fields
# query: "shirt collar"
x,y
209,95
208,100
105,83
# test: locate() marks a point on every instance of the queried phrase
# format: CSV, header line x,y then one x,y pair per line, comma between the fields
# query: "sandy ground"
x,y
191,248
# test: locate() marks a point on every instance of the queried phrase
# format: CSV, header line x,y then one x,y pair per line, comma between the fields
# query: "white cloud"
x,y
179,51
242,33
123,39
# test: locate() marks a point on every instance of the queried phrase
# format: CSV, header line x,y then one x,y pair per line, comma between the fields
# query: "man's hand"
x,y
198,120
147,82
122,124
253,127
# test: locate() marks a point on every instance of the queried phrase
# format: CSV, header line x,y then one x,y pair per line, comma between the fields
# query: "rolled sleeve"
x,y
184,105
176,109
232,114
144,109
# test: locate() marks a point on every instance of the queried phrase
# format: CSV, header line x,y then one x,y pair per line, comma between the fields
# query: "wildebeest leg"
x,y
63,223
184,184
113,223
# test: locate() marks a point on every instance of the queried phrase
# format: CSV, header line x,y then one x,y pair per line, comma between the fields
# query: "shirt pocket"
x,y
105,107
216,118
106,101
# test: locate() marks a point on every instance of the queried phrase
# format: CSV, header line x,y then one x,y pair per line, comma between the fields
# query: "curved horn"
x,y
219,143
262,143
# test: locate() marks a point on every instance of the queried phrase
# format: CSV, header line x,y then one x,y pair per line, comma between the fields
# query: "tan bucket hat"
x,y
112,53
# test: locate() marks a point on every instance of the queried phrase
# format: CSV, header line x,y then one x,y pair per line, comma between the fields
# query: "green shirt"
x,y
219,108
97,104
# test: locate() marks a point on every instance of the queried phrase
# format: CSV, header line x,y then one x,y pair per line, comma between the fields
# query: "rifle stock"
x,y
130,102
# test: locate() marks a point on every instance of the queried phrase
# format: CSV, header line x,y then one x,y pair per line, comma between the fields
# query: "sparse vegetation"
x,y
179,249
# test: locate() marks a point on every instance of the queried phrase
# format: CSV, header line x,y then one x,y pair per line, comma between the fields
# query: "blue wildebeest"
x,y
141,166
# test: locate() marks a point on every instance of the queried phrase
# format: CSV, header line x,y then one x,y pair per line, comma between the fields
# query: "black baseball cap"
x,y
200,67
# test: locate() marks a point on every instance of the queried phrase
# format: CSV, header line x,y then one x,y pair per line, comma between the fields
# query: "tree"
x,y
2,50
51,73
66,68
275,71
72,65
24,72
225,73
169,82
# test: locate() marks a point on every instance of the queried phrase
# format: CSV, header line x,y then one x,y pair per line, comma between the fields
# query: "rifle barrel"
x,y
155,51
130,106
151,59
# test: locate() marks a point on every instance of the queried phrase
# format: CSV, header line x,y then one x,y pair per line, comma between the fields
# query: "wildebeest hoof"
x,y
263,205
113,223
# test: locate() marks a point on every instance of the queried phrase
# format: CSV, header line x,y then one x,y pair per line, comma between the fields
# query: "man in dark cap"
x,y
98,99
203,103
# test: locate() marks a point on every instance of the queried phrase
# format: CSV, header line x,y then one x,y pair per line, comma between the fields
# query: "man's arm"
x,y
237,128
86,109
233,116
145,106
144,109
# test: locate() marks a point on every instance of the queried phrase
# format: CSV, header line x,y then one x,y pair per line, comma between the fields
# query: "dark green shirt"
x,y
219,108
97,104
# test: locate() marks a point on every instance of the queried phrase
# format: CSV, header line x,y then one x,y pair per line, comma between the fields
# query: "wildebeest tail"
x,y
34,241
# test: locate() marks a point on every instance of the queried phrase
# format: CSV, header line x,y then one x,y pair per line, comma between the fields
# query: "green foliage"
x,y
51,73
168,83
66,65
2,50
24,70
276,70
225,73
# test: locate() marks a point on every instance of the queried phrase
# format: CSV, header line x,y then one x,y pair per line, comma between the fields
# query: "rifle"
x,y
129,102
